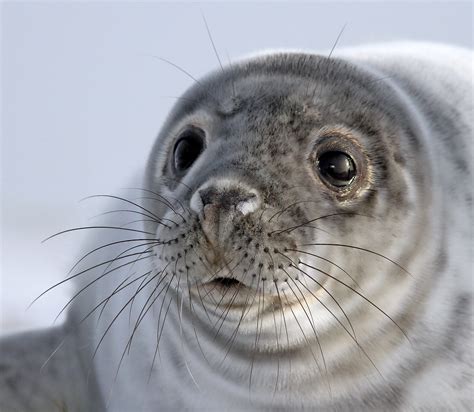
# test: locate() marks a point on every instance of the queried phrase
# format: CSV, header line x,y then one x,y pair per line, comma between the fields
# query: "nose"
x,y
228,199
218,206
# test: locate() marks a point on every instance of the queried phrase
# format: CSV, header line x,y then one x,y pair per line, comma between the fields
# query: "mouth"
x,y
226,291
226,282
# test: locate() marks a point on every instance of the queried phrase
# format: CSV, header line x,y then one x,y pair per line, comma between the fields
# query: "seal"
x,y
302,238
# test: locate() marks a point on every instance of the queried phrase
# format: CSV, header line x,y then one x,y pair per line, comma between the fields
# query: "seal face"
x,y
297,246
265,163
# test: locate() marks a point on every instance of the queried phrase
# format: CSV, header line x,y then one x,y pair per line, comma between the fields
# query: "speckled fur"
x,y
311,339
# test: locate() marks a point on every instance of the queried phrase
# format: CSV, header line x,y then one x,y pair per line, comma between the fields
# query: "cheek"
x,y
393,194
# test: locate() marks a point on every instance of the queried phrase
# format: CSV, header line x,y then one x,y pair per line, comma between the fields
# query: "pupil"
x,y
337,167
186,152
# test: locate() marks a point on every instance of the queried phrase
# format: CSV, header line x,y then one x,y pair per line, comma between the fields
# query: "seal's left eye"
x,y
337,168
187,149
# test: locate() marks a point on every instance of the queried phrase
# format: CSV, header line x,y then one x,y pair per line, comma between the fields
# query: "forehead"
x,y
289,93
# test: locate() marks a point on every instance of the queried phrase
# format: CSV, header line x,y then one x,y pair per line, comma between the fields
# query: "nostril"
x,y
208,196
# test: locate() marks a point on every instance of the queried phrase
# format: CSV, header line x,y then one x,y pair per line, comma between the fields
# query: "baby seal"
x,y
302,238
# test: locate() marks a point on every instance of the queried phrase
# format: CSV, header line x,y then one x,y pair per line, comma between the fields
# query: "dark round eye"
x,y
337,168
187,149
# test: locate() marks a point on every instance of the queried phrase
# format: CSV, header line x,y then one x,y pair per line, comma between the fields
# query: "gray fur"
x,y
32,381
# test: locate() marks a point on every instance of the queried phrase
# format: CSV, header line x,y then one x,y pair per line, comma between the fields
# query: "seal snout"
x,y
218,205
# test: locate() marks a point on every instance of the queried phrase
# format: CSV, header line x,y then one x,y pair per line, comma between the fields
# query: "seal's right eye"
x,y
187,149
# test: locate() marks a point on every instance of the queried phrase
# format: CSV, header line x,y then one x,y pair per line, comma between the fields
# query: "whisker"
x,y
69,333
148,249
144,311
215,275
191,311
326,260
229,305
278,358
102,247
302,295
124,211
118,289
361,249
114,319
159,220
229,274
280,212
337,40
131,304
80,273
202,302
256,335
326,290
314,331
160,334
227,309
180,315
286,332
234,94
132,222
212,41
139,320
163,199
290,229
104,302
353,338
302,331
96,227
94,281
317,228
359,294
187,74
231,340
332,297
176,213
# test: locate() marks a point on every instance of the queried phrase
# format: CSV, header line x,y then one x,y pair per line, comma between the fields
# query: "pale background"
x,y
82,100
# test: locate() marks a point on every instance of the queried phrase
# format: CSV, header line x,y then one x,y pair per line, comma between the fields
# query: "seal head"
x,y
287,185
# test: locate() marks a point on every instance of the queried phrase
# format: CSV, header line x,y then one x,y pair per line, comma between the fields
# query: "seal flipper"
x,y
37,376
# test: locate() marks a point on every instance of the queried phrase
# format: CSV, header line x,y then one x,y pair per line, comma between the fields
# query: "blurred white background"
x,y
82,101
